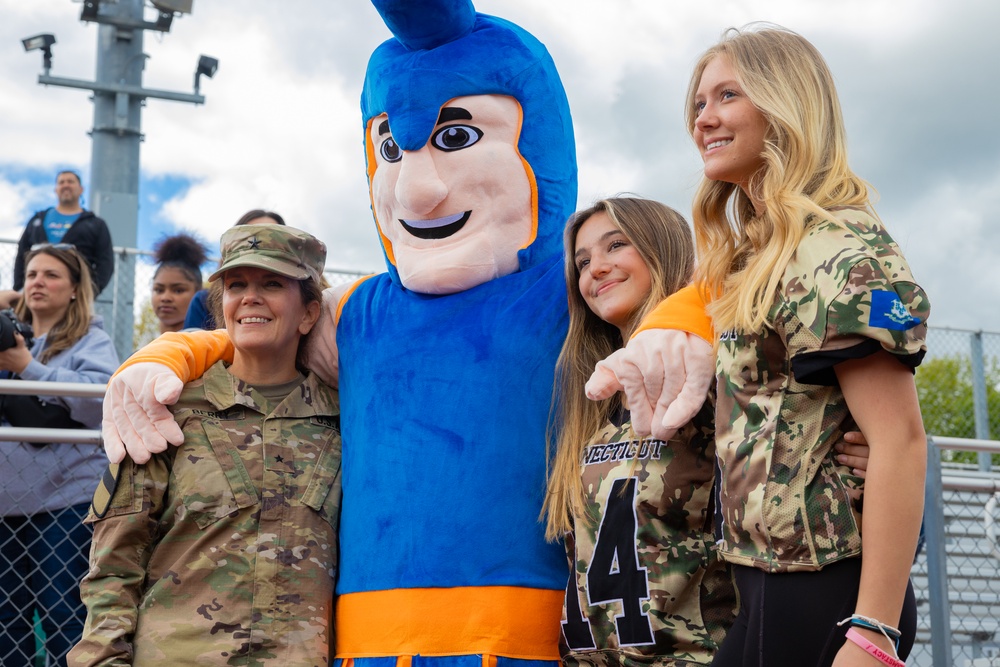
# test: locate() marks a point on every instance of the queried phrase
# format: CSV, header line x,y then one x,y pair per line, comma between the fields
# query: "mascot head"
x,y
469,142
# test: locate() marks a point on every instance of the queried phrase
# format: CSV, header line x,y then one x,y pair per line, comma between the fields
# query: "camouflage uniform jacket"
x,y
845,294
222,551
648,587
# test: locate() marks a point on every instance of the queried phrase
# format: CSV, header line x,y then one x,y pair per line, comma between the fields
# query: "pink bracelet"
x,y
883,657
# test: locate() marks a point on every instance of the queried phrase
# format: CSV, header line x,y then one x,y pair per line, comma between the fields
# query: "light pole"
x,y
117,132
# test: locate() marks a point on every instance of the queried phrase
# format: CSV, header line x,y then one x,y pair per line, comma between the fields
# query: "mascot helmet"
x,y
443,49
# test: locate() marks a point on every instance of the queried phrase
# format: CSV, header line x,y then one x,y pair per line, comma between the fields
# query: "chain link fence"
x,y
956,575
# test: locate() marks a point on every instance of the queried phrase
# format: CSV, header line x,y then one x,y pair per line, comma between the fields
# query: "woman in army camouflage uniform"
x,y
820,327
647,585
223,551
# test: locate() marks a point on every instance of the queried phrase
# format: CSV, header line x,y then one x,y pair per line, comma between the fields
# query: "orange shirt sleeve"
x,y
187,354
683,310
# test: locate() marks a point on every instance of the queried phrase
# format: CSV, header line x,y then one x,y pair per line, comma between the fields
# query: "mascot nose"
x,y
418,187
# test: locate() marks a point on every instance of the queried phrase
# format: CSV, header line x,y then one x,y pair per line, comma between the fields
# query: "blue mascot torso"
x,y
447,360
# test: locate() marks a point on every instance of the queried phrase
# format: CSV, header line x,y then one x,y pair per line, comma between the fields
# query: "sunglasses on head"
x,y
54,246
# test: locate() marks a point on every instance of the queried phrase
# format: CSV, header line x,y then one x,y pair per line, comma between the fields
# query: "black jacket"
x,y
89,234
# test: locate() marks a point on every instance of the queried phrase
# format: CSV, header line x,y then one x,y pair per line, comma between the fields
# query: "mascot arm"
x,y
136,418
665,369
187,354
683,310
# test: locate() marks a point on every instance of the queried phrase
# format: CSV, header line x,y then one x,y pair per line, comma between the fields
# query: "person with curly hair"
x,y
178,276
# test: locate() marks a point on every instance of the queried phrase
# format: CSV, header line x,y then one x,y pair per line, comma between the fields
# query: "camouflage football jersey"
x,y
647,586
846,293
222,551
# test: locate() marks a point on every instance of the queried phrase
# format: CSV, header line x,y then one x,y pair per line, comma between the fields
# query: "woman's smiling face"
x,y
614,280
728,129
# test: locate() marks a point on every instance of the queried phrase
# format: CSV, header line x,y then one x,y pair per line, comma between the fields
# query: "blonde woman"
x,y
820,325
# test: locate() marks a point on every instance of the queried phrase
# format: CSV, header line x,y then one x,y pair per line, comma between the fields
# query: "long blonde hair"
x,y
663,239
76,321
743,253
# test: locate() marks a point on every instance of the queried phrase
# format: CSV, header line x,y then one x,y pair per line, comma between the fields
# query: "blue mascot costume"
x,y
447,361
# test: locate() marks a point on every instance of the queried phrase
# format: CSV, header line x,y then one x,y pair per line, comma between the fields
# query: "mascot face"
x,y
455,212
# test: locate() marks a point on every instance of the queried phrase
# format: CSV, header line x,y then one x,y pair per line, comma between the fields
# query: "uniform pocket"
x,y
212,483
323,491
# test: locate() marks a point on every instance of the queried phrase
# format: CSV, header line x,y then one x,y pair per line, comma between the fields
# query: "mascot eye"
x,y
390,151
456,137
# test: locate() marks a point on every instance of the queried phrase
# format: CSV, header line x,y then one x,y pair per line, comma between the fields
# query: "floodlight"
x,y
43,43
207,66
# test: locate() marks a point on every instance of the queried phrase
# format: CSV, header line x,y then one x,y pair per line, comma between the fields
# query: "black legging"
x,y
790,618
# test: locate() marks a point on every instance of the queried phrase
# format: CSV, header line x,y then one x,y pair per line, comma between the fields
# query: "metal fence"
x,y
43,542
957,576
959,386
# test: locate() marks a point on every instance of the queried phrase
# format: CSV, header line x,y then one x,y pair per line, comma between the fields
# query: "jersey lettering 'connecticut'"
x,y
622,451
646,582
847,293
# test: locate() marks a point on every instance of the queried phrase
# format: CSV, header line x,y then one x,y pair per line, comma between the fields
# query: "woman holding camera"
x,y
45,489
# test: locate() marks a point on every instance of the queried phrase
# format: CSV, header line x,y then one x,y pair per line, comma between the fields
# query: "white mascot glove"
x,y
665,374
136,418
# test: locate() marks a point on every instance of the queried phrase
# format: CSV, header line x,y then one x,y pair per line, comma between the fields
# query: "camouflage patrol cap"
x,y
280,249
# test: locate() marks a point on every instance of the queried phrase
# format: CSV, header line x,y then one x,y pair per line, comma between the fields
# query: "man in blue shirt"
x,y
68,222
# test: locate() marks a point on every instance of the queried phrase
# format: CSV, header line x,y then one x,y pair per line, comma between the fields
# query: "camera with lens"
x,y
10,324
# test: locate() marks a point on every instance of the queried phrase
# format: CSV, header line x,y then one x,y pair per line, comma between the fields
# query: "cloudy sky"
x,y
281,129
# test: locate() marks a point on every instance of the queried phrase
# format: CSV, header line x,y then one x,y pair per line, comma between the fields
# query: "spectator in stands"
x,y
45,489
199,315
69,222
177,278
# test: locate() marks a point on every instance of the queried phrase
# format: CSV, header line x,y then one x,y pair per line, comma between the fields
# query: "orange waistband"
x,y
492,620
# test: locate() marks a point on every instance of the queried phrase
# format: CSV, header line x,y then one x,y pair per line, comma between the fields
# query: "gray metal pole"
x,y
979,405
114,161
937,566
117,133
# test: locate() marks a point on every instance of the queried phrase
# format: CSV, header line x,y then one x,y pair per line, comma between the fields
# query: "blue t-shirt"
x,y
57,223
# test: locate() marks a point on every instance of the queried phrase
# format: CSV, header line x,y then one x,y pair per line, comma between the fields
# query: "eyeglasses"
x,y
54,246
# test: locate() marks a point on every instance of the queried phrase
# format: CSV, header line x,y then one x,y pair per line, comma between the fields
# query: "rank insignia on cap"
x,y
106,490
